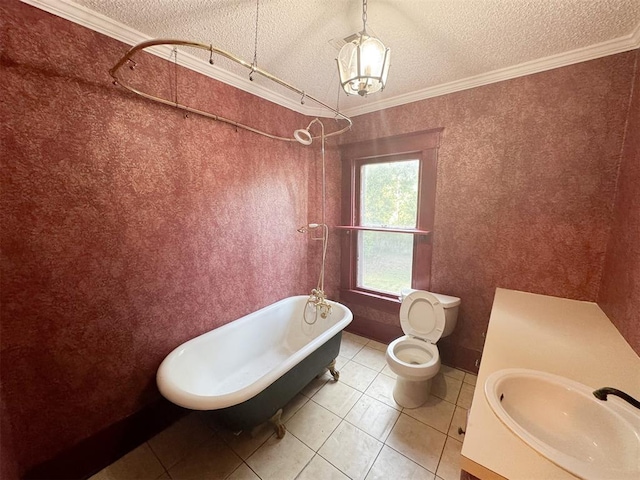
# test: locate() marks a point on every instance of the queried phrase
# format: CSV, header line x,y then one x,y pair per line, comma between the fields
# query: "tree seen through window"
x,y
389,198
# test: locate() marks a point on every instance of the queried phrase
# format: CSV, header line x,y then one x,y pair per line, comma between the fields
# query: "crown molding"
x,y
610,47
635,37
119,31
102,24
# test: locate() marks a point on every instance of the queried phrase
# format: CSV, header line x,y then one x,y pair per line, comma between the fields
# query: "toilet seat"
x,y
413,358
422,316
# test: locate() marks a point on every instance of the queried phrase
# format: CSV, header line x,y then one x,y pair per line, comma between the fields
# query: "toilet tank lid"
x,y
447,301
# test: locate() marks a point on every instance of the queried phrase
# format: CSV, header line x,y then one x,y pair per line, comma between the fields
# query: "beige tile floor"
x,y
351,429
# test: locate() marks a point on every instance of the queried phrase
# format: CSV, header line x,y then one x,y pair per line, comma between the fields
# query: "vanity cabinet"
x,y
570,338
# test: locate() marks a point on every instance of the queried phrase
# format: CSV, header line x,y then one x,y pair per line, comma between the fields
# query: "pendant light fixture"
x,y
363,64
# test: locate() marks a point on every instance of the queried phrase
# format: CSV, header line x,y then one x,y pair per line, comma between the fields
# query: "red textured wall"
x,y
526,183
8,466
127,228
619,294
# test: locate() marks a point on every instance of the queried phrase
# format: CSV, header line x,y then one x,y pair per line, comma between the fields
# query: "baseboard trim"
x,y
373,330
458,356
102,449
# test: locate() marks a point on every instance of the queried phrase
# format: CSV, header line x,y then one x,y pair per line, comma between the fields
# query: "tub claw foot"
x,y
332,370
278,426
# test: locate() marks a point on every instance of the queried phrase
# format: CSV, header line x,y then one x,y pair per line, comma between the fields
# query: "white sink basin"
x,y
562,420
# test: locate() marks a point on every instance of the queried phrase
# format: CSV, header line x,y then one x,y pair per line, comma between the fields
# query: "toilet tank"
x,y
450,305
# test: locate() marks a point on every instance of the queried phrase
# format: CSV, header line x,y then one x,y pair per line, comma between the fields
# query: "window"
x,y
388,207
388,199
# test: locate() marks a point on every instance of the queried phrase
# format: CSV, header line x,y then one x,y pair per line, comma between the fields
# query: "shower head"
x,y
303,136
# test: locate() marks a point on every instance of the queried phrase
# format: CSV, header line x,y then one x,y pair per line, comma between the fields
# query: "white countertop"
x,y
566,337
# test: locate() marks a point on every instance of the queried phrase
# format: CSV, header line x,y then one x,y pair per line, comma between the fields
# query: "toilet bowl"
x,y
425,317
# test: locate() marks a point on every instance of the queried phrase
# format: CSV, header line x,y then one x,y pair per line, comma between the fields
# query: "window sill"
x,y
415,231
371,300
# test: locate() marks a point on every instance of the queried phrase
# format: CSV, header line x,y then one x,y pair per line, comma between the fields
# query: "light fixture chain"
x,y
255,46
364,15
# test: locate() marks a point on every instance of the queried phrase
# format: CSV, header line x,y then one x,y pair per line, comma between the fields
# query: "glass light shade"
x,y
363,65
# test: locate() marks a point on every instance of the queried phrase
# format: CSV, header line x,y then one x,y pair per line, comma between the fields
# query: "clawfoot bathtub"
x,y
247,370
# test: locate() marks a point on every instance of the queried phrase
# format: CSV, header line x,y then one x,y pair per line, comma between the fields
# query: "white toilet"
x,y
425,317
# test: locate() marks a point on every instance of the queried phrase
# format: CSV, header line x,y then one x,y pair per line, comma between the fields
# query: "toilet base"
x,y
411,394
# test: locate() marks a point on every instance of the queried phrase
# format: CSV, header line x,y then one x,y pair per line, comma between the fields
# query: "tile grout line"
x,y
441,455
360,430
431,426
377,455
329,462
451,421
306,464
253,451
212,433
441,452
411,460
249,467
344,419
166,470
331,433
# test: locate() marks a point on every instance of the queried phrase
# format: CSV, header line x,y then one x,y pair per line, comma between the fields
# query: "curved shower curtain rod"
x,y
210,48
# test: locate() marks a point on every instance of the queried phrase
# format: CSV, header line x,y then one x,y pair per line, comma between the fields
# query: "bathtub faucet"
x,y
601,394
319,300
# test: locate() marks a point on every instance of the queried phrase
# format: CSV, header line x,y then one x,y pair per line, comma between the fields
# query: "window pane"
x,y
385,261
389,194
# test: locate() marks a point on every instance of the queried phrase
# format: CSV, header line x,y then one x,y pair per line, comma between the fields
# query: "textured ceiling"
x,y
433,42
